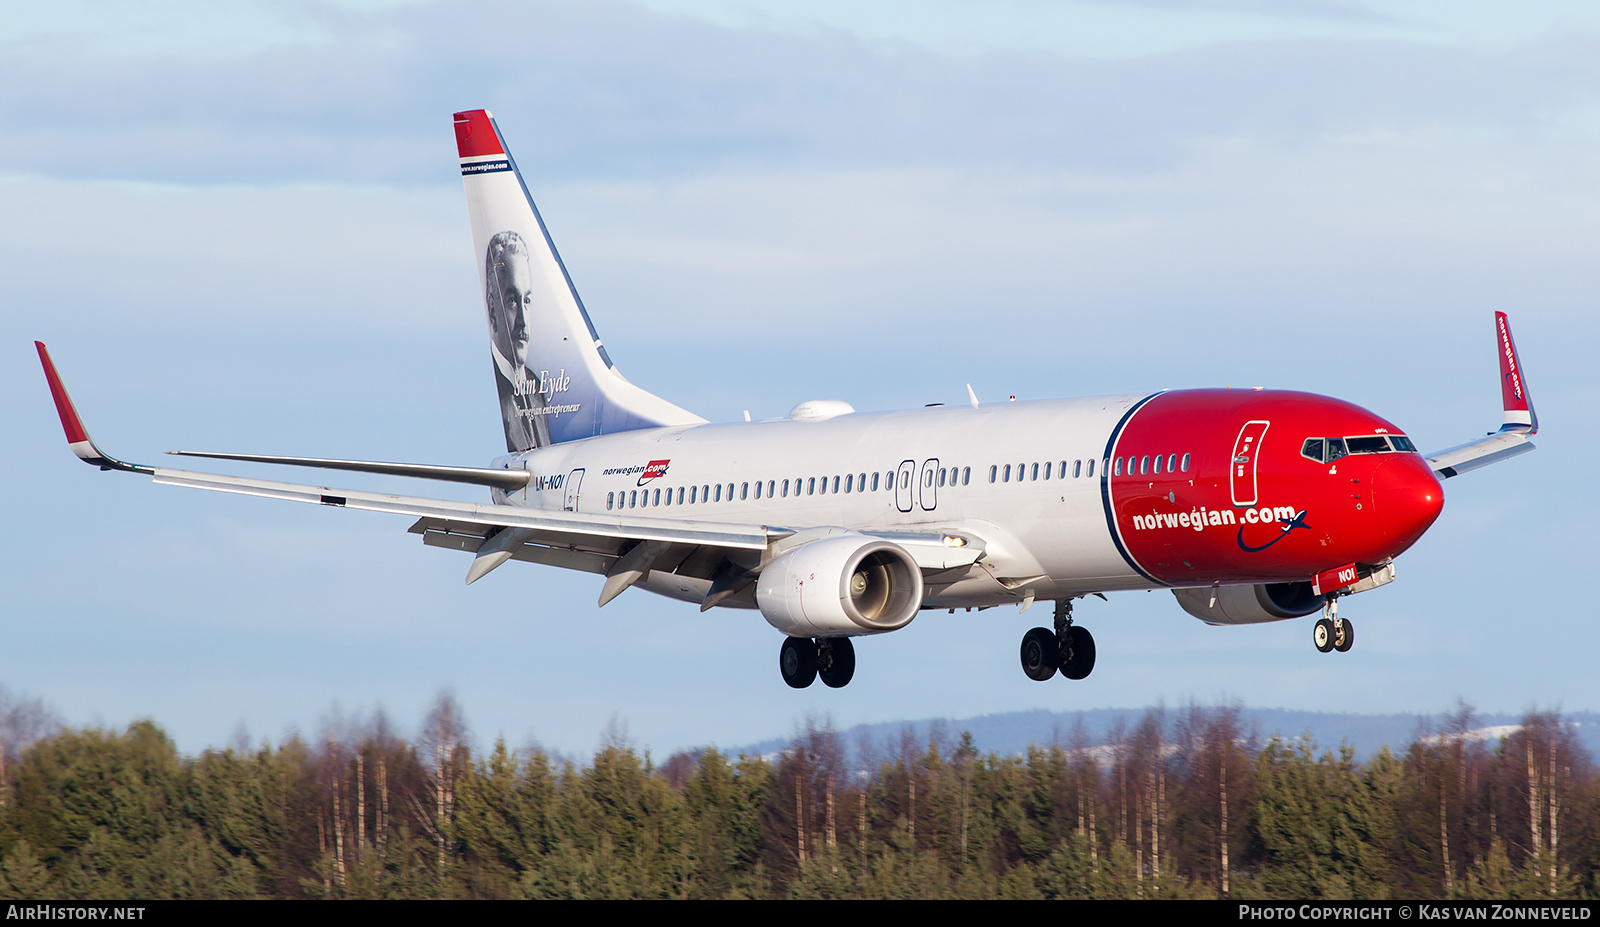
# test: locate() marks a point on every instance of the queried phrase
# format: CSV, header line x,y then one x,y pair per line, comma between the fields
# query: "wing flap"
x,y
715,534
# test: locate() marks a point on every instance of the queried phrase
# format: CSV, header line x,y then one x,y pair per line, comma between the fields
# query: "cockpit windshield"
x,y
1327,450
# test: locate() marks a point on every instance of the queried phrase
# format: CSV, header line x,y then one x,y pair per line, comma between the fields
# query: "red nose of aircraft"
x,y
1408,498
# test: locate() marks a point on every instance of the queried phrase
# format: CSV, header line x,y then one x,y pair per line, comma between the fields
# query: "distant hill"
x,y
1011,733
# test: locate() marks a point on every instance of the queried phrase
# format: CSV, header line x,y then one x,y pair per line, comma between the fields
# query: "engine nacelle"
x,y
849,584
1249,604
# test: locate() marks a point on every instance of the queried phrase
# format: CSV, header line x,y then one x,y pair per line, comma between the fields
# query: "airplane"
x,y
1250,505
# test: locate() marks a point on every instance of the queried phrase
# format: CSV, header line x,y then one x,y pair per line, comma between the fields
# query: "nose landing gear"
x,y
1068,648
1332,632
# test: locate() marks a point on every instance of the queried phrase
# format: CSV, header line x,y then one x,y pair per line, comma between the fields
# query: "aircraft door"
x,y
574,480
927,488
1246,457
904,492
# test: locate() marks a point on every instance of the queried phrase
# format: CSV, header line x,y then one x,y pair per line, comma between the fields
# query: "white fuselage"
x,y
1044,530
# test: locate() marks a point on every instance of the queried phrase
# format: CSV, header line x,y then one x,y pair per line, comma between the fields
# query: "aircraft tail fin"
x,y
555,381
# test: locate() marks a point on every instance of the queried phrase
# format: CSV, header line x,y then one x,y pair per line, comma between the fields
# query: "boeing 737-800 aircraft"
x,y
1250,505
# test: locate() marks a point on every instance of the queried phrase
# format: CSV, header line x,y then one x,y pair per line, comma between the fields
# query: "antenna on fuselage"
x,y
971,396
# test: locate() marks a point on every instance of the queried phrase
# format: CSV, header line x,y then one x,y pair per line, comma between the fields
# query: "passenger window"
x,y
811,486
730,492
1186,463
849,482
992,470
966,475
836,484
1035,472
1007,477
874,481
633,499
758,489
1047,469
771,485
609,497
1077,469
719,493
658,497
1118,471
744,491
1158,463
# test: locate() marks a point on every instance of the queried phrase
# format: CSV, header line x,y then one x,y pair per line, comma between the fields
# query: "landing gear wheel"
x,y
1077,659
1344,635
836,661
1322,634
798,661
1041,654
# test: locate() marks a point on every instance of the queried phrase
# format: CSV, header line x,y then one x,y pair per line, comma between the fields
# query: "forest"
x,y
1182,803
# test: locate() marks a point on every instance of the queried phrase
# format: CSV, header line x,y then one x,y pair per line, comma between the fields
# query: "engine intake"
x,y
840,585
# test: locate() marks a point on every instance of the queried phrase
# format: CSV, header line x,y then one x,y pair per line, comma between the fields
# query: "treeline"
x,y
1183,804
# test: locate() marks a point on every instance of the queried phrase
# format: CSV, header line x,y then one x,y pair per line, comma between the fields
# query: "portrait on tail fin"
x,y
508,296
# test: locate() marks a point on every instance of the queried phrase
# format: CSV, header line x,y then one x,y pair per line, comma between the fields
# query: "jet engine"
x,y
850,584
1249,604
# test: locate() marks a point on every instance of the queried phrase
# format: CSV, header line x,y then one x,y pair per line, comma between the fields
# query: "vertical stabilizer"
x,y
554,379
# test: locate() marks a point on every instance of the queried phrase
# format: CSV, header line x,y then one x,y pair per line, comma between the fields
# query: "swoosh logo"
x,y
1289,524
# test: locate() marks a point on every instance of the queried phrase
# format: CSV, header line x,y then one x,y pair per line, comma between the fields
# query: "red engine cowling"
x,y
840,585
1249,604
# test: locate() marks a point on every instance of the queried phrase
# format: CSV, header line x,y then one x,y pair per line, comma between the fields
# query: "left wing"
x,y
597,543
1518,423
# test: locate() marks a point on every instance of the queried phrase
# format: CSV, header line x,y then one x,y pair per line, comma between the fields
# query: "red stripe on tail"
x,y
475,135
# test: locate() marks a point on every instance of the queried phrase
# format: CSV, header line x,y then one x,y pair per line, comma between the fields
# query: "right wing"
x,y
1518,423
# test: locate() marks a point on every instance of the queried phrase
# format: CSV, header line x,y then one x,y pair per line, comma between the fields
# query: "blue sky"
x,y
239,227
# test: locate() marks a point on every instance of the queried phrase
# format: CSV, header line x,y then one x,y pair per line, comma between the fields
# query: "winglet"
x,y
77,436
1513,382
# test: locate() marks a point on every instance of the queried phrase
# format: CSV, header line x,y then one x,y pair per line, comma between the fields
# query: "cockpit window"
x,y
1327,450
1323,450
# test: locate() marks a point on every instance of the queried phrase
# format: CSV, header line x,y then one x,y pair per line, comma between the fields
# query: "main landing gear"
x,y
1332,632
802,660
1068,648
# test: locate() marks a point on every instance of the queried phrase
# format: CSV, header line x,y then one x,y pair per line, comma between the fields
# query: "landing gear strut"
x,y
1332,632
802,660
1068,648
